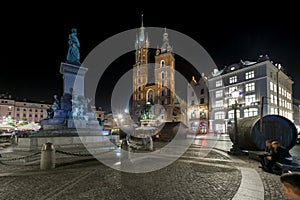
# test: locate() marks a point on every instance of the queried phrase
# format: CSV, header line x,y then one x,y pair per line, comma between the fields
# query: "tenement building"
x,y
22,110
198,104
262,88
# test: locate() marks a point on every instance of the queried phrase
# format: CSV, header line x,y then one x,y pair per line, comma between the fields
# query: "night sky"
x,y
35,39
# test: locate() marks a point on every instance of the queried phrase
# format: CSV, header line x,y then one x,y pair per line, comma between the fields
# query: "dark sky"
x,y
35,38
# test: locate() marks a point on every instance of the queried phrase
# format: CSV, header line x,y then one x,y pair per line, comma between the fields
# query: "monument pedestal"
x,y
73,76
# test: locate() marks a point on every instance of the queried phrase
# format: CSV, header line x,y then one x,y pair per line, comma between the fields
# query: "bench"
x,y
283,168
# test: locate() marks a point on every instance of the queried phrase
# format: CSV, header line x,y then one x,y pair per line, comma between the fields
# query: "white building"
x,y
261,85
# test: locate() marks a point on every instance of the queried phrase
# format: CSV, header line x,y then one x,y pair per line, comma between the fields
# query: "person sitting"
x,y
290,184
267,152
278,154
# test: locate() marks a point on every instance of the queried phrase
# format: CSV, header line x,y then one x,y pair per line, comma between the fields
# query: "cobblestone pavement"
x,y
213,176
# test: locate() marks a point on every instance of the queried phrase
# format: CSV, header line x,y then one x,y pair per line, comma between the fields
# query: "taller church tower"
x,y
153,101
140,70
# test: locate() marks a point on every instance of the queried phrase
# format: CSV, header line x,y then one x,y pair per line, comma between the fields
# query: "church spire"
x,y
142,39
166,47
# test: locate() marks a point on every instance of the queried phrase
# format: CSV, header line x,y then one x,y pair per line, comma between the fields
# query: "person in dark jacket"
x,y
278,154
267,152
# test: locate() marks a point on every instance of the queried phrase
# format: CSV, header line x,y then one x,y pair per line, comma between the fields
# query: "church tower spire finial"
x,y
142,20
166,47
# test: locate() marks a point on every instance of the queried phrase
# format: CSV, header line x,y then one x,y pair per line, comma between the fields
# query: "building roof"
x,y
240,65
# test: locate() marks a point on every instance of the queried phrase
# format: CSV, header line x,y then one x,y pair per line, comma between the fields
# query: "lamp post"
x,y
235,150
261,112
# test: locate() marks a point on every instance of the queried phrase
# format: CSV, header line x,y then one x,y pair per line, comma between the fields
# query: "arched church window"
x,y
162,63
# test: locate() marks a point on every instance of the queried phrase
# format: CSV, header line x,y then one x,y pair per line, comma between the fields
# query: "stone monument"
x,y
73,111
71,120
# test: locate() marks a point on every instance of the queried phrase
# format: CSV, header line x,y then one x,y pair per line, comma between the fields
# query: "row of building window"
x,y
202,114
249,87
251,99
30,115
282,91
24,115
30,110
249,112
233,79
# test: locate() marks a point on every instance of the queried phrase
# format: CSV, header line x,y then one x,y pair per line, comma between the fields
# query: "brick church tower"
x,y
153,101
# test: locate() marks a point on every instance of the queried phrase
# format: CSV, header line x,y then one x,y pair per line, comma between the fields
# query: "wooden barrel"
x,y
274,127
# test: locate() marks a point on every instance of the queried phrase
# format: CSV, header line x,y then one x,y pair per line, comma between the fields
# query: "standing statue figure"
x,y
73,52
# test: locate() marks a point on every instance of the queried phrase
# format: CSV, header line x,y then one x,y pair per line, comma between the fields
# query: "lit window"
x,y
219,115
231,114
162,63
231,89
271,86
250,99
219,83
219,93
233,79
231,101
249,75
272,98
250,87
219,103
250,112
280,90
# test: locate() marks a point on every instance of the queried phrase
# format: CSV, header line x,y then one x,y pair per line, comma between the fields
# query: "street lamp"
x,y
235,150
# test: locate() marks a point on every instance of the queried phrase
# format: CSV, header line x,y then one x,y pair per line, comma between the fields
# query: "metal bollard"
x,y
150,144
47,156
